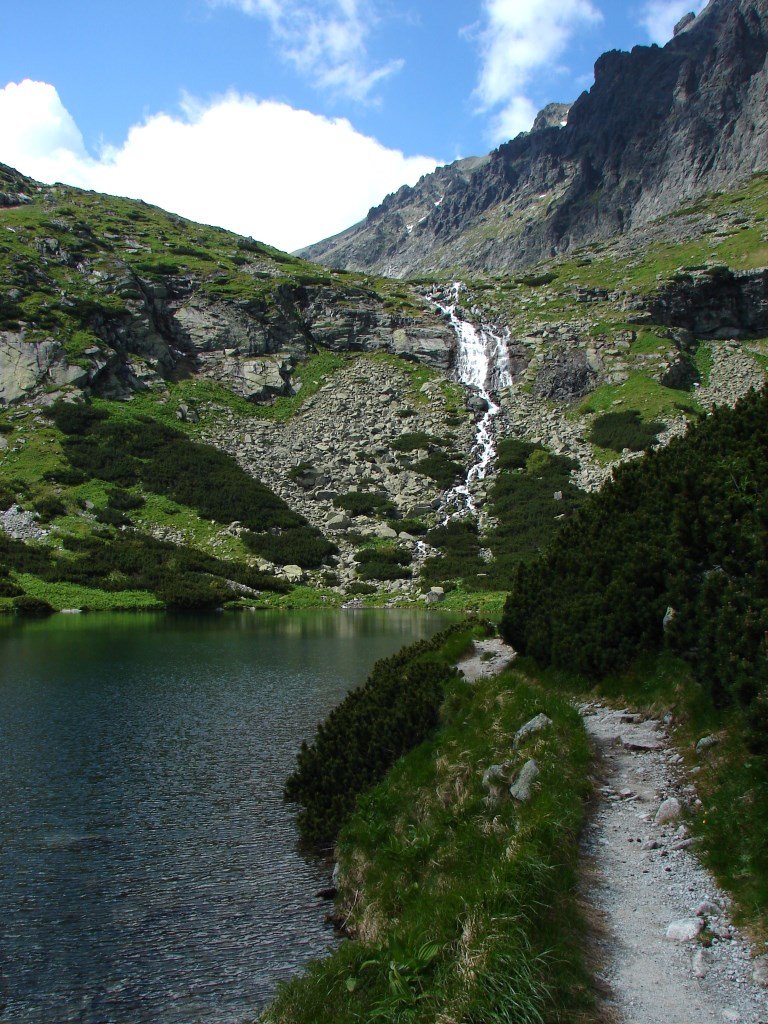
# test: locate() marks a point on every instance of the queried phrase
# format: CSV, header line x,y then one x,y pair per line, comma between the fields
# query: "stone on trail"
x,y
708,909
760,971
705,743
521,788
685,930
535,725
700,962
669,810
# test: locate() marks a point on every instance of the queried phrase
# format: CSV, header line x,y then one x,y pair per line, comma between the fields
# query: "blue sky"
x,y
287,119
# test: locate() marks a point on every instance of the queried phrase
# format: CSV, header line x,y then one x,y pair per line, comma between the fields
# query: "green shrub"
x,y
9,589
49,507
302,545
7,497
383,563
361,739
538,462
415,441
686,528
361,589
512,453
111,517
365,503
619,430
124,501
190,591
439,467
31,607
66,475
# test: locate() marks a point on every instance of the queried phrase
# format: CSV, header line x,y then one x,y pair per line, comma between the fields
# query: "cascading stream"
x,y
483,365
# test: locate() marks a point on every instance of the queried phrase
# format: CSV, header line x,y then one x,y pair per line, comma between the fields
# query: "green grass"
x,y
461,911
640,392
71,595
704,361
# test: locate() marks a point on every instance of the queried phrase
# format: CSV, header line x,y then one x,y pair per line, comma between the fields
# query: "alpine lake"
x,y
149,868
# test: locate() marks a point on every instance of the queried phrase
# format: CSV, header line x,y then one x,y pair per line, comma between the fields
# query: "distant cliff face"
x,y
658,126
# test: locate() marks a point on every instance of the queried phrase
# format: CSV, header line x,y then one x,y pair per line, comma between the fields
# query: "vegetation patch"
x,y
440,467
139,570
394,711
383,562
460,910
620,430
684,528
365,503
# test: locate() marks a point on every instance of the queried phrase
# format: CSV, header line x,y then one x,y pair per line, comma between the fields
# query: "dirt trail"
x,y
488,658
643,876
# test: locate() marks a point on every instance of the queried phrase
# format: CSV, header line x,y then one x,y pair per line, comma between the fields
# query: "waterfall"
x,y
483,365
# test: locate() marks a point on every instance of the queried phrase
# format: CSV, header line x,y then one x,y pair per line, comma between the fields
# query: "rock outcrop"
x,y
659,125
230,309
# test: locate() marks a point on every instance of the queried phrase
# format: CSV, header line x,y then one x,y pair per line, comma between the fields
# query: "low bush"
x,y
512,453
365,503
619,430
302,545
49,507
361,739
441,468
31,607
383,563
124,501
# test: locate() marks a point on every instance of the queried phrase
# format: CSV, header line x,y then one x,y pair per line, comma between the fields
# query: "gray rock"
x,y
708,909
760,971
706,743
522,788
535,725
496,775
700,963
669,810
685,22
669,615
294,573
686,929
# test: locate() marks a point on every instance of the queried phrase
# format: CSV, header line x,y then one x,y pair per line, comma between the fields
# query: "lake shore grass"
x,y
458,908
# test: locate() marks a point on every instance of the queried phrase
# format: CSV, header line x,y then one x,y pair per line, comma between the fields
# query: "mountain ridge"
x,y
660,125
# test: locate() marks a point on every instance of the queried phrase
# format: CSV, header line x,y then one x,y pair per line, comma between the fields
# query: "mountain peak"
x,y
660,125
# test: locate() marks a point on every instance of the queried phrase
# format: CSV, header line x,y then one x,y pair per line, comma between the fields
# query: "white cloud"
x,y
324,39
288,177
517,39
661,16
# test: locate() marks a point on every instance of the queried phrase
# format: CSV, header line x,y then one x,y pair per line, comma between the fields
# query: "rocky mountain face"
x,y
658,126
110,296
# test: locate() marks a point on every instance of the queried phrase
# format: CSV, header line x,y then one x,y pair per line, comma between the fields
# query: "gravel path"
x,y
644,876
488,658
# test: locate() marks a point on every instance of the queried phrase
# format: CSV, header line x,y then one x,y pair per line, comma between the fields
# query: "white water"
x,y
483,365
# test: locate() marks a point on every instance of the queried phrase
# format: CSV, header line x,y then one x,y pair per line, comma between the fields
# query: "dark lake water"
x,y
148,864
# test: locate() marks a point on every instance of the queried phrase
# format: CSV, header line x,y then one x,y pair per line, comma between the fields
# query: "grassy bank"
x,y
459,909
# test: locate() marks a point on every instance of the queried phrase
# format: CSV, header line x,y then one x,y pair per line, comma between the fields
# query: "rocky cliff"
x,y
110,295
658,126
